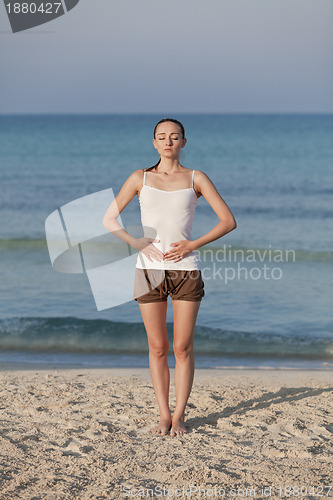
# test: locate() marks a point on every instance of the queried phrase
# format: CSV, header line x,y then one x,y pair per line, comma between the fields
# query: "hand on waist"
x,y
179,250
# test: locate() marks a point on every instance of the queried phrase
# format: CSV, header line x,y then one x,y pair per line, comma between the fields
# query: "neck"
x,y
169,165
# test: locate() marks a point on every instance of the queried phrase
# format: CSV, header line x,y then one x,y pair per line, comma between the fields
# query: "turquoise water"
x,y
268,283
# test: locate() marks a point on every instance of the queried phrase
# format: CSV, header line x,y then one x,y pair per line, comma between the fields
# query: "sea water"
x,y
268,284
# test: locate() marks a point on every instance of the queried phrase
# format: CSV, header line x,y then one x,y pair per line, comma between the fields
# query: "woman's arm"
x,y
126,194
227,221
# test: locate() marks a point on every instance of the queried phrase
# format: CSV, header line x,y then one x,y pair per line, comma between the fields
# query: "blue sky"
x,y
227,56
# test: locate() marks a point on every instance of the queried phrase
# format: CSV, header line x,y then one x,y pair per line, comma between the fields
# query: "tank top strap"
x,y
144,178
192,178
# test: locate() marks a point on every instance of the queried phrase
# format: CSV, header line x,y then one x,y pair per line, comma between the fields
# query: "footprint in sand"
x,y
75,448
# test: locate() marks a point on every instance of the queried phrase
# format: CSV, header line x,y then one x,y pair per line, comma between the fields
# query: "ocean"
x,y
268,284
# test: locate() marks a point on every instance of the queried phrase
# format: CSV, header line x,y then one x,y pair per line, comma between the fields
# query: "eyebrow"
x,y
172,133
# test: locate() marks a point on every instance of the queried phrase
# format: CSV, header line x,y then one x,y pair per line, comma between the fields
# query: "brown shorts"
x,y
154,285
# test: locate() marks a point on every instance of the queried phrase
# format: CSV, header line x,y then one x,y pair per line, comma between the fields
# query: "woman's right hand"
x,y
145,246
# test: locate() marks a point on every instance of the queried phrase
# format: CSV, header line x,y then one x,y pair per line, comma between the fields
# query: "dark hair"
x,y
173,120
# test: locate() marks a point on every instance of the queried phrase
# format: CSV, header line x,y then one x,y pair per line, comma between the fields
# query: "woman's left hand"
x,y
180,250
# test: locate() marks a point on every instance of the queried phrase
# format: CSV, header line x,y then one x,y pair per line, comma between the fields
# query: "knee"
x,y
182,351
159,350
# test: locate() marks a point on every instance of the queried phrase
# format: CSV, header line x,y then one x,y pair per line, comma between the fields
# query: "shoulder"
x,y
137,174
136,179
201,180
199,174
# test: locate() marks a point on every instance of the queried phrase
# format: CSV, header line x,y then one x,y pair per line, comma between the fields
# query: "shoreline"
x,y
24,366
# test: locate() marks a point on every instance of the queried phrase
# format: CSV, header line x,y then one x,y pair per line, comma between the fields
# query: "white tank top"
x,y
167,216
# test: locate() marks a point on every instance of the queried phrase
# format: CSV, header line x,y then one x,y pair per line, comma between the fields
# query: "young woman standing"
x,y
168,262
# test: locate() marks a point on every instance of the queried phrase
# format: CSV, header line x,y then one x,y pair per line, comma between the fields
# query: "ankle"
x,y
165,415
178,416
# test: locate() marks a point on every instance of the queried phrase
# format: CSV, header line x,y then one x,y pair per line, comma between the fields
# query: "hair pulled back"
x,y
173,120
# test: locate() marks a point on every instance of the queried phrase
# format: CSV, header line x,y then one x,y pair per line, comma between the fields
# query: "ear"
x,y
184,142
154,142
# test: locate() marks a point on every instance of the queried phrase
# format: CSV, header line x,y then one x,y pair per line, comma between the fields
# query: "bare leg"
x,y
154,318
185,316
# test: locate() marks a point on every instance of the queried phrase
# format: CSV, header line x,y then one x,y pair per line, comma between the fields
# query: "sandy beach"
x,y
85,433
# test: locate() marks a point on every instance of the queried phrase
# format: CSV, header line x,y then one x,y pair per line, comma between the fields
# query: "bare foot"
x,y
163,427
178,427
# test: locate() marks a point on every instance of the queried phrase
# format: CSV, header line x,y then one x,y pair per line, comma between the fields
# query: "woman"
x,y
168,261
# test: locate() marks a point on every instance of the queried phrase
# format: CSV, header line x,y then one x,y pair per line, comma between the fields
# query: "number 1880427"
x,y
33,7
